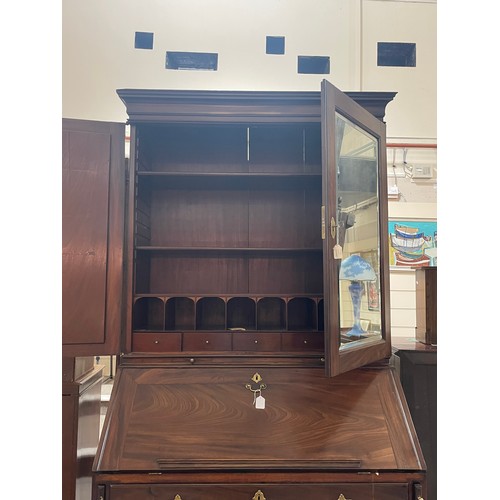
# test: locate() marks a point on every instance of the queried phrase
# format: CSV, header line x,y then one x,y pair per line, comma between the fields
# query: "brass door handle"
x,y
333,224
333,227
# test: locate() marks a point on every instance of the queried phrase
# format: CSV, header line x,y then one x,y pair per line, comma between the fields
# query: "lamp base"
x,y
355,331
357,290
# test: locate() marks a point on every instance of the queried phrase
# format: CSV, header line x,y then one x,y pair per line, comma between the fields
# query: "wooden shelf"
x,y
223,249
233,180
223,313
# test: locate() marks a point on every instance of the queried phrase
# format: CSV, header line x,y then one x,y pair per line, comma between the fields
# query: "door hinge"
x,y
323,223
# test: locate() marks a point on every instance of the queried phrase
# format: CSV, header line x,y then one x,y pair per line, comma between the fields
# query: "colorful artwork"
x,y
372,287
412,243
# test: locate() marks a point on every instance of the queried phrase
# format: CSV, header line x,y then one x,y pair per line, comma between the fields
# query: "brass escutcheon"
x,y
342,497
259,496
256,378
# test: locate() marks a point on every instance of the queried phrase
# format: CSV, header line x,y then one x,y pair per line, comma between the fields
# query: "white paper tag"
x,y
337,252
260,402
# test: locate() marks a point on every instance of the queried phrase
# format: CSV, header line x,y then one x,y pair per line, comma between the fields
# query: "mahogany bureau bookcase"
x,y
244,285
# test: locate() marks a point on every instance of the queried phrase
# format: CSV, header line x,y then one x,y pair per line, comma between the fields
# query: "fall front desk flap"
x,y
243,419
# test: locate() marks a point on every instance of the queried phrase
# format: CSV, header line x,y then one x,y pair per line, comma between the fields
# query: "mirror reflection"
x,y
358,234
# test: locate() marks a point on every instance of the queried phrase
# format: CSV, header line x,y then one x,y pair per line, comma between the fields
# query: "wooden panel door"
x,y
93,206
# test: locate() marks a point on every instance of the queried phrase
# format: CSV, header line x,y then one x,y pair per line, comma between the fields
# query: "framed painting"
x,y
412,243
372,288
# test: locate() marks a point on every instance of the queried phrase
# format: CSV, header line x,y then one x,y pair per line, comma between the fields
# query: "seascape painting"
x,y
412,243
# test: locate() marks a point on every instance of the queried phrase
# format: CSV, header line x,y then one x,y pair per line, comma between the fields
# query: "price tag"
x,y
337,252
260,402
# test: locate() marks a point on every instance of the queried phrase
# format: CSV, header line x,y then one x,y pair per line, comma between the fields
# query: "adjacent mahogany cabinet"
x,y
416,364
81,414
426,305
254,335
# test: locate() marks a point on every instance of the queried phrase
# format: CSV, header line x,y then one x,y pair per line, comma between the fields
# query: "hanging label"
x,y
260,402
337,252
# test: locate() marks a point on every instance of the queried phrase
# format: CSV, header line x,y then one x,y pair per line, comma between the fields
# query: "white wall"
x,y
413,112
99,54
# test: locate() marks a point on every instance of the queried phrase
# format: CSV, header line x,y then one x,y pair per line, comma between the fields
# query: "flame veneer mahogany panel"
x,y
201,418
196,433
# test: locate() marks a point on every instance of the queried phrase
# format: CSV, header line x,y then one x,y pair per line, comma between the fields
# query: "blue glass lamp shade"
x,y
356,270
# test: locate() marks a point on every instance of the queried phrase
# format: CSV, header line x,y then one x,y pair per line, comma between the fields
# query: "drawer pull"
x,y
259,496
342,497
258,400
177,497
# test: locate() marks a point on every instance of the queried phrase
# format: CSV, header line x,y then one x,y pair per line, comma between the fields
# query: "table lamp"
x,y
356,270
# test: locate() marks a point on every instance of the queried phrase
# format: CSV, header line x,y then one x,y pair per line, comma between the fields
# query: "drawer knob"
x,y
157,341
259,496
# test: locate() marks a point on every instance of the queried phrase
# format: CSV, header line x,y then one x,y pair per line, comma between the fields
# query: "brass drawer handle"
x,y
259,496
177,497
342,497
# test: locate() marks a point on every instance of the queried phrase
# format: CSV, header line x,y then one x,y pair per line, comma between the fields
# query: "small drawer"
x,y
210,341
302,341
256,342
156,342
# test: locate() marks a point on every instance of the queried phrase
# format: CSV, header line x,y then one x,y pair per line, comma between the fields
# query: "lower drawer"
x,y
341,491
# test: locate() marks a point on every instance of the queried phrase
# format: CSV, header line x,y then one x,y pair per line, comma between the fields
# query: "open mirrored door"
x,y
355,257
